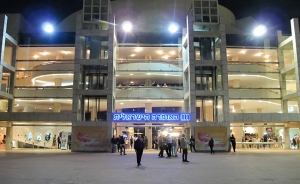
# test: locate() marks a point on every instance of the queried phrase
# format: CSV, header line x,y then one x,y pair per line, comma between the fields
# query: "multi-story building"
x,y
91,79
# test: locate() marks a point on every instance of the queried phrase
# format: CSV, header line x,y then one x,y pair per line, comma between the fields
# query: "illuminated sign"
x,y
163,117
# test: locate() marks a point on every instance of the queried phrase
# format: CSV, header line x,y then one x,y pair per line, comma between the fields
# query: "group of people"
x,y
57,142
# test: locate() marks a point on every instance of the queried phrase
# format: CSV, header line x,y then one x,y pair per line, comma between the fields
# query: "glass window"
x,y
206,19
94,47
198,18
205,11
214,19
96,2
87,10
255,106
95,10
104,2
213,11
197,3
87,17
213,4
198,11
205,3
207,78
207,48
95,108
95,77
104,10
207,109
96,17
88,2
104,17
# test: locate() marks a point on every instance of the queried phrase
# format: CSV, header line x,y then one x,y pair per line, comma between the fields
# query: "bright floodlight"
x,y
48,28
173,28
127,26
260,30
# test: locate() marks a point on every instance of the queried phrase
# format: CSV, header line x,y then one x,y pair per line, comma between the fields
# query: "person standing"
x,y
122,145
169,145
192,144
175,146
183,146
139,147
54,142
118,142
131,142
233,143
113,144
69,141
211,145
58,142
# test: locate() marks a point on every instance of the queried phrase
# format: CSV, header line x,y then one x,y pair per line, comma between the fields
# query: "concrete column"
x,y
148,131
259,110
237,107
93,113
284,106
286,138
58,81
59,57
56,107
236,83
9,136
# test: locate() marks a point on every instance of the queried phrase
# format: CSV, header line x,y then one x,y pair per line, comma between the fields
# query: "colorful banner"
x,y
64,140
203,135
91,138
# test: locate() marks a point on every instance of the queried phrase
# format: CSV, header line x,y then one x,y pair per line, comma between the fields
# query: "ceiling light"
x,y
132,55
165,57
266,56
50,108
66,52
243,52
35,56
121,103
160,52
259,54
131,74
138,49
44,53
172,52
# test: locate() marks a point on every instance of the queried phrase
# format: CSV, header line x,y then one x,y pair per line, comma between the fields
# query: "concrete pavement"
x,y
58,166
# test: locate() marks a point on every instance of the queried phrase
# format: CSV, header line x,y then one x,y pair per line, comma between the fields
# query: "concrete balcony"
x,y
37,116
265,117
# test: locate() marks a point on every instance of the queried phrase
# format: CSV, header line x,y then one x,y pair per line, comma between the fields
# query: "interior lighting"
x,y
50,108
243,52
260,30
173,28
266,56
165,57
131,74
35,56
66,52
44,53
172,52
259,54
138,49
233,110
132,55
127,26
121,103
48,27
160,52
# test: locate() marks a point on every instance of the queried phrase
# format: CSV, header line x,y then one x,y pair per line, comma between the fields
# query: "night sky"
x,y
274,13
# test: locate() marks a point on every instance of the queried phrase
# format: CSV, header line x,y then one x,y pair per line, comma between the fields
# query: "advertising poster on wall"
x,y
90,138
64,140
203,135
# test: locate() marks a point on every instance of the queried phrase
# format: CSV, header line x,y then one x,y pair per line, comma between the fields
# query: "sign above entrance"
x,y
151,117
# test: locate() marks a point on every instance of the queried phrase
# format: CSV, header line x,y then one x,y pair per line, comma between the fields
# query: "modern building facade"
x,y
92,80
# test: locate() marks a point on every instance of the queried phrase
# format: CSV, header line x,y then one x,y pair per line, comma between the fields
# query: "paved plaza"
x,y
58,166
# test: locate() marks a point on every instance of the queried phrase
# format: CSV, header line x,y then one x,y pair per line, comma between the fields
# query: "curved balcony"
x,y
254,93
139,92
43,92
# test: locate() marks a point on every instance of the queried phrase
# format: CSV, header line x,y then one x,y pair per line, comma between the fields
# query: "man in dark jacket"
x,y
122,145
211,145
232,140
139,147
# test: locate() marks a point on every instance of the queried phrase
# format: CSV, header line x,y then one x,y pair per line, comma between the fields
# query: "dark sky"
x,y
274,13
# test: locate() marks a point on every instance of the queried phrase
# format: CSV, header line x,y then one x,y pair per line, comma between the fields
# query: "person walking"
x,y
122,145
169,145
233,143
192,144
113,144
161,146
58,142
211,145
139,147
183,146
